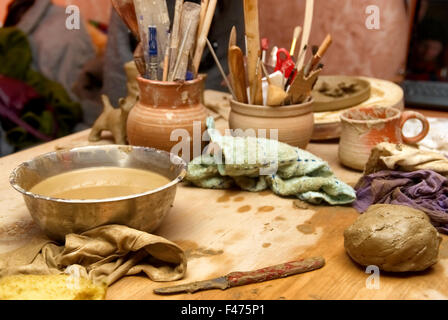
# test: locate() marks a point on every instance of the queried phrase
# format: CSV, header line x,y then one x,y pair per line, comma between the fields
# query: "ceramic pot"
x,y
164,107
363,128
295,123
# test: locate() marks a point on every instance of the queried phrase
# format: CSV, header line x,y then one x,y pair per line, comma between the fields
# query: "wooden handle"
x,y
190,16
319,54
175,36
237,73
204,6
324,46
202,39
407,115
236,279
307,24
232,38
253,50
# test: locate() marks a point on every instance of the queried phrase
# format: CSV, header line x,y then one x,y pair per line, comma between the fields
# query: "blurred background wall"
x,y
356,50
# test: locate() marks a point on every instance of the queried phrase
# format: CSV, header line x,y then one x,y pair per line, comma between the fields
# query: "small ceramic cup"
x,y
363,128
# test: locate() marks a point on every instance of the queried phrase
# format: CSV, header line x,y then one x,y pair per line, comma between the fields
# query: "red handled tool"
x,y
285,64
236,279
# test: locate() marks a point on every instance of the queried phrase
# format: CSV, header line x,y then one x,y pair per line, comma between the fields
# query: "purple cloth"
x,y
424,190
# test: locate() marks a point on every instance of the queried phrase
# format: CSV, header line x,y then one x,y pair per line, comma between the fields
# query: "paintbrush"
x,y
152,53
296,35
223,74
264,48
319,54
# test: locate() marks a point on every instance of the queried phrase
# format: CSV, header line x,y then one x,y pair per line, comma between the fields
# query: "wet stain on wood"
x,y
265,193
266,209
305,228
244,209
239,199
224,198
227,196
266,245
299,204
279,218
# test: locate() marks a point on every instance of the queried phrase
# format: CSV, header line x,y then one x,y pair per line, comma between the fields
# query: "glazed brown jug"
x,y
164,107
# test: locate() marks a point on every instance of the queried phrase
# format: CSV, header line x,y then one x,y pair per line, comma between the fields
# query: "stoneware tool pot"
x,y
164,107
59,217
295,123
363,128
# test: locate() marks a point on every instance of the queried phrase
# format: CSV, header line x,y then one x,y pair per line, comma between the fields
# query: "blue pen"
x,y
153,53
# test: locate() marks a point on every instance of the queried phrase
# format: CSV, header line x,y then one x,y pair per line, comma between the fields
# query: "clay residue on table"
x,y
266,209
244,209
193,251
238,199
305,228
227,196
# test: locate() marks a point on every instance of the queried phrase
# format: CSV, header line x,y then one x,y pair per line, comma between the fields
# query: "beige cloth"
x,y
388,156
105,254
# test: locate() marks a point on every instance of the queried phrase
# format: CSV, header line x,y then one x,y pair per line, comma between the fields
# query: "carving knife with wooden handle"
x,y
238,73
253,50
236,279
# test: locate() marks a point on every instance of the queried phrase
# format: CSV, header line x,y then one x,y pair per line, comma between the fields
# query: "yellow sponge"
x,y
49,287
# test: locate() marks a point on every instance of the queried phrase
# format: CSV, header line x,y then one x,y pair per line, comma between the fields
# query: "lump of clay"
x,y
394,238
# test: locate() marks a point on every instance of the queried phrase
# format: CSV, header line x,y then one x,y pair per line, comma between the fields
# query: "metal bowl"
x,y
59,217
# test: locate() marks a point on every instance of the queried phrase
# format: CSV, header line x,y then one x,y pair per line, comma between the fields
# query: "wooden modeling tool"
x,y
190,15
232,38
318,56
181,49
306,30
236,279
302,86
223,74
175,36
238,73
295,38
204,6
232,42
166,61
126,10
253,50
202,39
276,95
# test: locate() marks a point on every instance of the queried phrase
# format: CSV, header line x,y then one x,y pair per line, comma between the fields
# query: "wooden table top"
x,y
225,231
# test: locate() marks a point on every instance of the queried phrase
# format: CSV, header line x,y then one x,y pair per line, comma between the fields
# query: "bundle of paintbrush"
x,y
291,81
173,54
